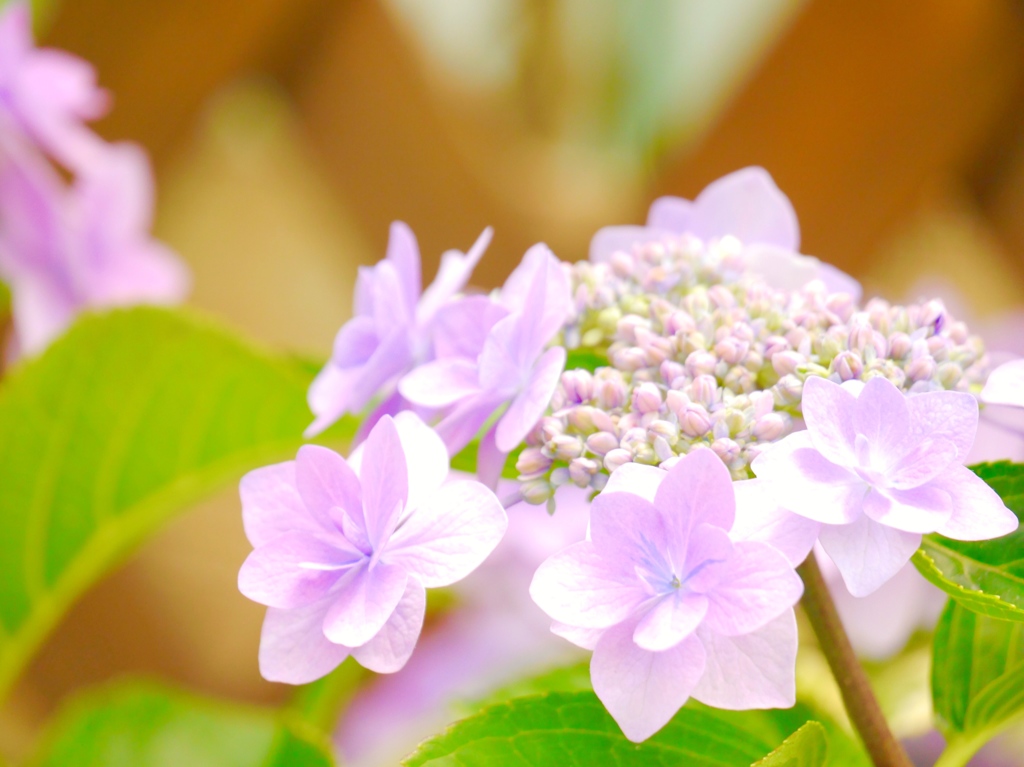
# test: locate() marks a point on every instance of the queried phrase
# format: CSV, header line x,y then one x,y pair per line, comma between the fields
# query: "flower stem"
x,y
860,701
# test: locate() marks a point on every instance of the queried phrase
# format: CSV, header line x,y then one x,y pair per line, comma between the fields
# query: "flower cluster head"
x,y
67,247
344,549
672,602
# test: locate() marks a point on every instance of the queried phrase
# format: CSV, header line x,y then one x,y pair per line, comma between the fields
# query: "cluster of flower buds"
x,y
701,351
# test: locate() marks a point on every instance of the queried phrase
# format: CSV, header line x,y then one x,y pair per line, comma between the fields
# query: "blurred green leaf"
x,y
807,747
123,421
147,725
585,358
985,576
977,677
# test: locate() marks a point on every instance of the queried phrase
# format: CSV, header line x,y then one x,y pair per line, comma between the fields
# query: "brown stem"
x,y
860,701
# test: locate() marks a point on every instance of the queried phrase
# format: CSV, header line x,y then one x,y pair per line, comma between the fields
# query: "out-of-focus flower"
x,y
1005,385
746,205
671,605
878,470
512,366
393,329
64,250
344,550
46,94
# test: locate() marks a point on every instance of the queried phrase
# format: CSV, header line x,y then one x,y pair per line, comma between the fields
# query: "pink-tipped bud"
x,y
732,350
610,394
536,491
703,390
602,443
580,471
647,398
532,461
899,345
664,429
622,263
581,418
770,427
565,447
694,421
848,365
578,386
676,401
616,458
701,363
789,390
920,369
671,371
726,449
785,363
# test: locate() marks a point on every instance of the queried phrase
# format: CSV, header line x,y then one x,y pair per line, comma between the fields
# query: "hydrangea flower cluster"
x,y
65,248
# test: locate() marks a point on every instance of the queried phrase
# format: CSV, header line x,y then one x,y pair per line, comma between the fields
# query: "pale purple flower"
x,y
46,94
672,605
1005,385
747,205
507,364
344,550
878,469
66,249
393,327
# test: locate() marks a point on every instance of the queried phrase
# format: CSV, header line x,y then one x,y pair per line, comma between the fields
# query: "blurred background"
x,y
287,134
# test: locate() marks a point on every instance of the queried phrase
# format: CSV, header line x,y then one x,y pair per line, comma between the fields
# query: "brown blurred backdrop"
x,y
287,134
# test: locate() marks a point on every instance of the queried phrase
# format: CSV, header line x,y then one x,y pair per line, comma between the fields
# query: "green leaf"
x,y
129,417
146,725
985,576
585,358
807,747
977,676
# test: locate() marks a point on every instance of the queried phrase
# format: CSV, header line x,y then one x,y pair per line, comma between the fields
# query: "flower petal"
x,y
760,518
612,239
460,328
882,416
918,510
643,690
671,213
627,529
673,618
755,670
404,254
579,587
951,415
828,409
867,553
272,506
530,403
803,481
636,478
757,585
697,490
441,383
328,486
295,569
925,461
458,428
447,537
385,481
978,512
585,638
363,603
1005,385
748,205
452,275
390,649
293,648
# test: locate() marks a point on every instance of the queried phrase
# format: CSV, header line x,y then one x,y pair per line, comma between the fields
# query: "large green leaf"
x,y
807,747
145,725
977,677
126,419
986,576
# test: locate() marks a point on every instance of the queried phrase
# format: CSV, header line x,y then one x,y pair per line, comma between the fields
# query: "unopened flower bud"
x,y
899,345
602,442
578,386
536,491
647,398
770,427
703,390
726,449
694,421
789,390
565,447
581,418
920,369
580,471
560,476
701,363
848,365
787,362
532,461
664,429
616,458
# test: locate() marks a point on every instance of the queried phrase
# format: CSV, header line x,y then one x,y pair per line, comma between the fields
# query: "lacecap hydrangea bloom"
x,y
344,549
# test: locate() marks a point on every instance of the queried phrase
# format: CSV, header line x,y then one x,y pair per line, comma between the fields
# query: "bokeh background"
x,y
287,134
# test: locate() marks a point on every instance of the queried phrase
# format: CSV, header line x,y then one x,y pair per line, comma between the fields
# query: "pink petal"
x,y
385,482
760,518
784,269
328,486
425,458
625,527
452,276
490,460
390,649
460,426
950,415
882,416
867,553
404,254
643,690
925,461
363,603
328,396
460,328
441,383
755,670
1005,385
673,618
672,213
585,638
697,490
748,205
530,404
295,569
828,410
447,537
803,481
978,512
271,505
709,553
355,343
293,648
581,588
636,478
757,586
918,510
612,239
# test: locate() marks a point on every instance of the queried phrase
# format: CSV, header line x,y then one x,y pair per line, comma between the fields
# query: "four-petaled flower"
x,y
878,470
670,603
747,205
344,549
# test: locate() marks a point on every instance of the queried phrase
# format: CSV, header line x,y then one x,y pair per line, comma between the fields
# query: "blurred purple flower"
x,y
344,550
671,605
505,364
745,204
877,471
1005,385
65,249
46,94
392,330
